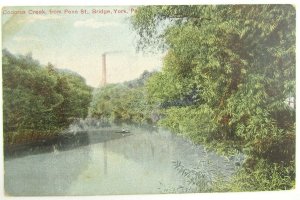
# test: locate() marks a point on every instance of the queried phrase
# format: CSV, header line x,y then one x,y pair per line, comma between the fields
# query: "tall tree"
x,y
233,63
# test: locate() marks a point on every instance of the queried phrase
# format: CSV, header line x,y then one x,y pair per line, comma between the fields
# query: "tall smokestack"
x,y
103,80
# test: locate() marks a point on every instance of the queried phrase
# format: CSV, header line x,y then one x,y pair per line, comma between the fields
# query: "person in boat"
x,y
123,131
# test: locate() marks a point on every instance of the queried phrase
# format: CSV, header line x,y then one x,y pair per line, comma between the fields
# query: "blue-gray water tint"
x,y
139,162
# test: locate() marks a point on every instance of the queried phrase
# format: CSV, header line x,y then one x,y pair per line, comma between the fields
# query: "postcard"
x,y
152,99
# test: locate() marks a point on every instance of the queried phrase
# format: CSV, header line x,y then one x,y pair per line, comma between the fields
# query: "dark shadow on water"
x,y
80,133
64,142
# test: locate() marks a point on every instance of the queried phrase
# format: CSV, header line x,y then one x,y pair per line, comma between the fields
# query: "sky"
x,y
76,41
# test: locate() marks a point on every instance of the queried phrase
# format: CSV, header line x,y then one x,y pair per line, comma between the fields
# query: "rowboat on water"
x,y
123,131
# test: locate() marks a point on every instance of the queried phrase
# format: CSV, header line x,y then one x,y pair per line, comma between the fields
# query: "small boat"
x,y
123,131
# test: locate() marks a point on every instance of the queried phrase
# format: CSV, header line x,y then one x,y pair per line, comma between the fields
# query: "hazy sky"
x,y
77,41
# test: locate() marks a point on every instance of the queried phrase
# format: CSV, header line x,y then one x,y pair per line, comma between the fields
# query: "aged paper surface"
x,y
129,100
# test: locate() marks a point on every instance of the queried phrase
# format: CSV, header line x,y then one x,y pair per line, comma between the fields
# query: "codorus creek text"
x,y
65,11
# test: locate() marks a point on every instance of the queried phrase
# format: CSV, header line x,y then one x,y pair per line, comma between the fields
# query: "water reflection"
x,y
44,174
97,160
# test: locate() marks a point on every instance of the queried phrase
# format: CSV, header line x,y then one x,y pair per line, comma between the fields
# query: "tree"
x,y
123,102
39,100
233,63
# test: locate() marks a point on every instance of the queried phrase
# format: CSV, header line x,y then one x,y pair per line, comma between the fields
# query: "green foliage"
x,y
199,179
207,178
185,120
227,74
263,177
39,99
122,102
173,85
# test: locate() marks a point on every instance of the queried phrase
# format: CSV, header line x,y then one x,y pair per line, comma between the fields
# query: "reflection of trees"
x,y
44,174
52,174
158,150
144,147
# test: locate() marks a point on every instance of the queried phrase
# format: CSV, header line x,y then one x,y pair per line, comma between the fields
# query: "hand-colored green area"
x,y
124,102
39,101
227,75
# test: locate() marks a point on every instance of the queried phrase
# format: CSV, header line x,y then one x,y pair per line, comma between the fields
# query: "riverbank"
x,y
43,144
76,136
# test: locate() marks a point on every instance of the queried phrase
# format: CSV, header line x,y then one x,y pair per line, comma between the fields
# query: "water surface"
x,y
141,162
